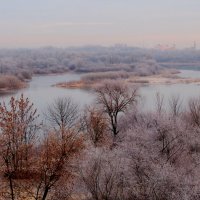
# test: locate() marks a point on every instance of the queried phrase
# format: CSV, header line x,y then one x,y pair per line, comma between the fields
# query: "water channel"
x,y
42,94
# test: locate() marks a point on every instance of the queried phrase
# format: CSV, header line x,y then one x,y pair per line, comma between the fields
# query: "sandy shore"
x,y
159,79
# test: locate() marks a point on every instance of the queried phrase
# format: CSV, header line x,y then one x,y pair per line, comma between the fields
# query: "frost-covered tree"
x,y
115,98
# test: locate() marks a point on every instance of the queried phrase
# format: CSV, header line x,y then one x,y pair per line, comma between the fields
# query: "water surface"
x,y
184,91
42,94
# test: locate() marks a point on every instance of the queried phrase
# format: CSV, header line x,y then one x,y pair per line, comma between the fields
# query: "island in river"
x,y
90,80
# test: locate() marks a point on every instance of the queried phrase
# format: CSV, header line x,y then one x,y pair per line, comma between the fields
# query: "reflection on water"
x,y
184,91
190,74
42,93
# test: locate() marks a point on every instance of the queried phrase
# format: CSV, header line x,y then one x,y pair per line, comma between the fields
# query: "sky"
x,y
63,23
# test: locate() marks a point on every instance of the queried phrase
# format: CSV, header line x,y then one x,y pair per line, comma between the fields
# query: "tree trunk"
x,y
11,188
45,193
114,128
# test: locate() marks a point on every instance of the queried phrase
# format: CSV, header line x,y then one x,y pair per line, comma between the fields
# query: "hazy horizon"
x,y
64,23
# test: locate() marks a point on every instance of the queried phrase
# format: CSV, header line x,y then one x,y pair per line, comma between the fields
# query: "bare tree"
x,y
159,103
103,179
54,163
115,98
96,126
62,114
194,111
32,168
18,128
175,105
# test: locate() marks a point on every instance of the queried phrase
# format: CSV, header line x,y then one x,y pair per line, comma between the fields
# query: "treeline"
x,y
88,59
22,64
25,62
177,56
111,151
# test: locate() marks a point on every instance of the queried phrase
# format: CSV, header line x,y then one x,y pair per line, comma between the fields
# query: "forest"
x,y
110,150
99,100
17,66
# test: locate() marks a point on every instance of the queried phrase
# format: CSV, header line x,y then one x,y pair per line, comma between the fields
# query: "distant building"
x,y
195,46
162,47
119,45
192,48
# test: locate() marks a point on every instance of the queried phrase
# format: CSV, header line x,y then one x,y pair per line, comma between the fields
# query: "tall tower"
x,y
195,45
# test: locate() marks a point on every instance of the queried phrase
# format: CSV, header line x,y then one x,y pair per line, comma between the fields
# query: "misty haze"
x,y
99,100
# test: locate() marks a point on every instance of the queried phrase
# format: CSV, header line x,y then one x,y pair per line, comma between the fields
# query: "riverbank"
x,y
167,77
41,92
160,79
10,83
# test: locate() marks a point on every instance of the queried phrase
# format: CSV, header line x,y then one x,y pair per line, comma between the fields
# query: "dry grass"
x,y
91,82
72,85
93,77
9,82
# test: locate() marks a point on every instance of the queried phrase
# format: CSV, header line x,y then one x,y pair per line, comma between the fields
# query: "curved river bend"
x,y
42,94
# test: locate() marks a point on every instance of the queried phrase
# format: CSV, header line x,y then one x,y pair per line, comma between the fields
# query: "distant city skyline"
x,y
63,23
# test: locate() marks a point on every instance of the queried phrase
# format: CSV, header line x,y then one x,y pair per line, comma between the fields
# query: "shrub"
x,y
10,82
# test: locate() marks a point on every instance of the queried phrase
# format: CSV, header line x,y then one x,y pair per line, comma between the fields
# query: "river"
x,y
184,91
42,94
